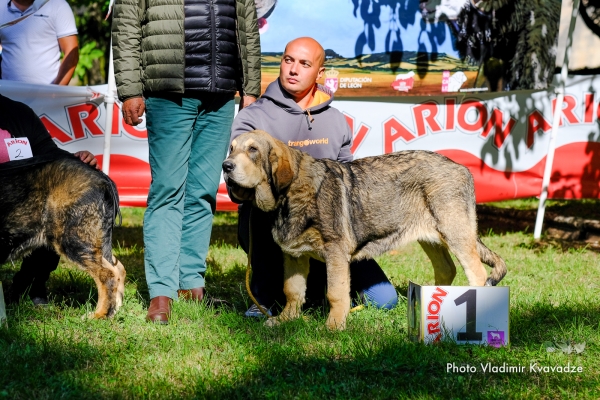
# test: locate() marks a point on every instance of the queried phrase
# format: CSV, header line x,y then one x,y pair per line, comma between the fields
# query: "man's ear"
x,y
281,170
320,73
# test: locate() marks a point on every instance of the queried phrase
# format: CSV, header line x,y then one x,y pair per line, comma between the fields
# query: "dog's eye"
x,y
252,149
230,149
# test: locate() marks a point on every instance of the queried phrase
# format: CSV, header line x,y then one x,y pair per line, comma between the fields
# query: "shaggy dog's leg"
x,y
338,288
121,286
443,266
294,287
464,248
108,279
459,233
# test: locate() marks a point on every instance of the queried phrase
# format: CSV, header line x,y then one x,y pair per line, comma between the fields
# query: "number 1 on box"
x,y
469,297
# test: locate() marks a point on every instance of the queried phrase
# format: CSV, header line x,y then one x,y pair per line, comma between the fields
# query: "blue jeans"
x,y
368,283
188,139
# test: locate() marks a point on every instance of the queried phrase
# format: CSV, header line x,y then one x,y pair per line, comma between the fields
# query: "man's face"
x,y
300,68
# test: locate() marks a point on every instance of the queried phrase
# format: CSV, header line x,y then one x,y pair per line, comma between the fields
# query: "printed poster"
x,y
418,47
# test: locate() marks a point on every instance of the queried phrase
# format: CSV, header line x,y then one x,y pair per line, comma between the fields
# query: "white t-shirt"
x,y
30,51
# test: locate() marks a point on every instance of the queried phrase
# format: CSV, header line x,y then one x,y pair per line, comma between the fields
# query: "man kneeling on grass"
x,y
296,110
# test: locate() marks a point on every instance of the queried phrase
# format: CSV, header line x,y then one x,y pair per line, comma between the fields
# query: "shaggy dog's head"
x,y
258,169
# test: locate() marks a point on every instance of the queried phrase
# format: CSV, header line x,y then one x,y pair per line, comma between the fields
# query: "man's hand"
x,y
133,109
245,101
87,158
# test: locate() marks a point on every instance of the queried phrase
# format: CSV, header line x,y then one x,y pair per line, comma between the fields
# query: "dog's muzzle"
x,y
228,166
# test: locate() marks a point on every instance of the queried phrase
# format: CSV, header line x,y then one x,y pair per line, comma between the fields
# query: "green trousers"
x,y
188,139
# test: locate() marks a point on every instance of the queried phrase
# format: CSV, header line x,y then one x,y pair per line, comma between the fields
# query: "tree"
x,y
94,40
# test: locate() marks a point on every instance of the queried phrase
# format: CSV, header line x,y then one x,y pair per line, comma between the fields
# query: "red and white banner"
x,y
503,140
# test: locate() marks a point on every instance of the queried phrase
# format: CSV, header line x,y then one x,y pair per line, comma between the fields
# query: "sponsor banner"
x,y
377,48
502,140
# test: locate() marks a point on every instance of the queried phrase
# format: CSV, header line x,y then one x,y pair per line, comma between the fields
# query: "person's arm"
x,y
127,39
345,154
245,101
252,86
245,121
70,48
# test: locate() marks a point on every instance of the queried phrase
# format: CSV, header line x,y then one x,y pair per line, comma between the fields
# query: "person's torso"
x,y
17,121
321,134
30,49
211,48
200,54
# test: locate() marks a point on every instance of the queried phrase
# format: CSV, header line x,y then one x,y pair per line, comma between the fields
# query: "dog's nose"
x,y
228,166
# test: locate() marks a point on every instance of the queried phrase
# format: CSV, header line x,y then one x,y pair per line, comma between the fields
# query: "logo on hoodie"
x,y
331,79
308,142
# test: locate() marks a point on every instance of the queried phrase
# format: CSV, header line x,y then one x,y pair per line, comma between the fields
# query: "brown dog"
x,y
338,212
70,207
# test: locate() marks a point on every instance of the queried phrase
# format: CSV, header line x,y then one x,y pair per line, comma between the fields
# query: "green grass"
x,y
214,352
584,208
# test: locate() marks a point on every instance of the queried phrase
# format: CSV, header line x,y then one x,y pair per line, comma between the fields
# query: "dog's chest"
x,y
297,235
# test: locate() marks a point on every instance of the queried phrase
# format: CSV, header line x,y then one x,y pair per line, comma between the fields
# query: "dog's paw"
x,y
271,322
335,324
92,315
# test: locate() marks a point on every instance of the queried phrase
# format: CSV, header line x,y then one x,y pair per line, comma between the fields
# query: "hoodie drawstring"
x,y
308,121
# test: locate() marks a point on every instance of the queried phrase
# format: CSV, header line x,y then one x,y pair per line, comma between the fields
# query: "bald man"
x,y
296,110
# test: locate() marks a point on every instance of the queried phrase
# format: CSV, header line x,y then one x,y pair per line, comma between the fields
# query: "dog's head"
x,y
258,168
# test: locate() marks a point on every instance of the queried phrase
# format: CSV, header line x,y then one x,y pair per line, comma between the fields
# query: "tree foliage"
x,y
94,40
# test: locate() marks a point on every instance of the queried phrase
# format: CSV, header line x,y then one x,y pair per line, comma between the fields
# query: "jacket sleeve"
x,y
252,87
345,154
127,52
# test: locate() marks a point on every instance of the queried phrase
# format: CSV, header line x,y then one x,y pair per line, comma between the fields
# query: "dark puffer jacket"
x,y
211,51
149,47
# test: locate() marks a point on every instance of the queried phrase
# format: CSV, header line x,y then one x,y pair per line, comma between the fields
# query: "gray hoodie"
x,y
321,131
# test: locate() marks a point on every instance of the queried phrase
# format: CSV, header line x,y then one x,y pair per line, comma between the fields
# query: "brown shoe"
x,y
196,294
160,310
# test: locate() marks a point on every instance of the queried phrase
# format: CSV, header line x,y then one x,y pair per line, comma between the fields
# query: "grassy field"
x,y
212,351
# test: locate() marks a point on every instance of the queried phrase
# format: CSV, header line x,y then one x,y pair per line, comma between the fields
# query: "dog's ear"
x,y
281,170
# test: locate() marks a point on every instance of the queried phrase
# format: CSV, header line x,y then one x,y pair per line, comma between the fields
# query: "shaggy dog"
x,y
70,207
337,212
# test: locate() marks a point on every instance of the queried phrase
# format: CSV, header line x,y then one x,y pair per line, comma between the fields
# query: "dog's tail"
x,y
113,216
117,216
492,259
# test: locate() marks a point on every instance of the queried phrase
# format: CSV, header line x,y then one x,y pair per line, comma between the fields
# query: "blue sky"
x,y
333,24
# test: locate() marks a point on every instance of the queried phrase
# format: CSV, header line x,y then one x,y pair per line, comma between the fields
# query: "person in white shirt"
x,y
31,48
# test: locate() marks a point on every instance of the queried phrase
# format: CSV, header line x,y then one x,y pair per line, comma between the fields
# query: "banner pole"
x,y
560,91
109,100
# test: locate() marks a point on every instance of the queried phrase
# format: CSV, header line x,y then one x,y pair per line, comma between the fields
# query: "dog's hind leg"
x,y
468,257
443,265
462,242
338,289
109,281
121,287
294,287
492,259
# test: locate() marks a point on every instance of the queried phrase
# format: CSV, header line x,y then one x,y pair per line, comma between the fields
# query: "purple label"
x,y
495,338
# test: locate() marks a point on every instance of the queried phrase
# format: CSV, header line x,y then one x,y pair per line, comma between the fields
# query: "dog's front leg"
x,y
294,287
338,289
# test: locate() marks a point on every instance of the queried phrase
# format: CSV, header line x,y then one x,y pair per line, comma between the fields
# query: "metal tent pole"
x,y
109,100
560,91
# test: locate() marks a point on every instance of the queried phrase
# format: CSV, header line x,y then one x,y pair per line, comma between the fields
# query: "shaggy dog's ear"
x,y
281,171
